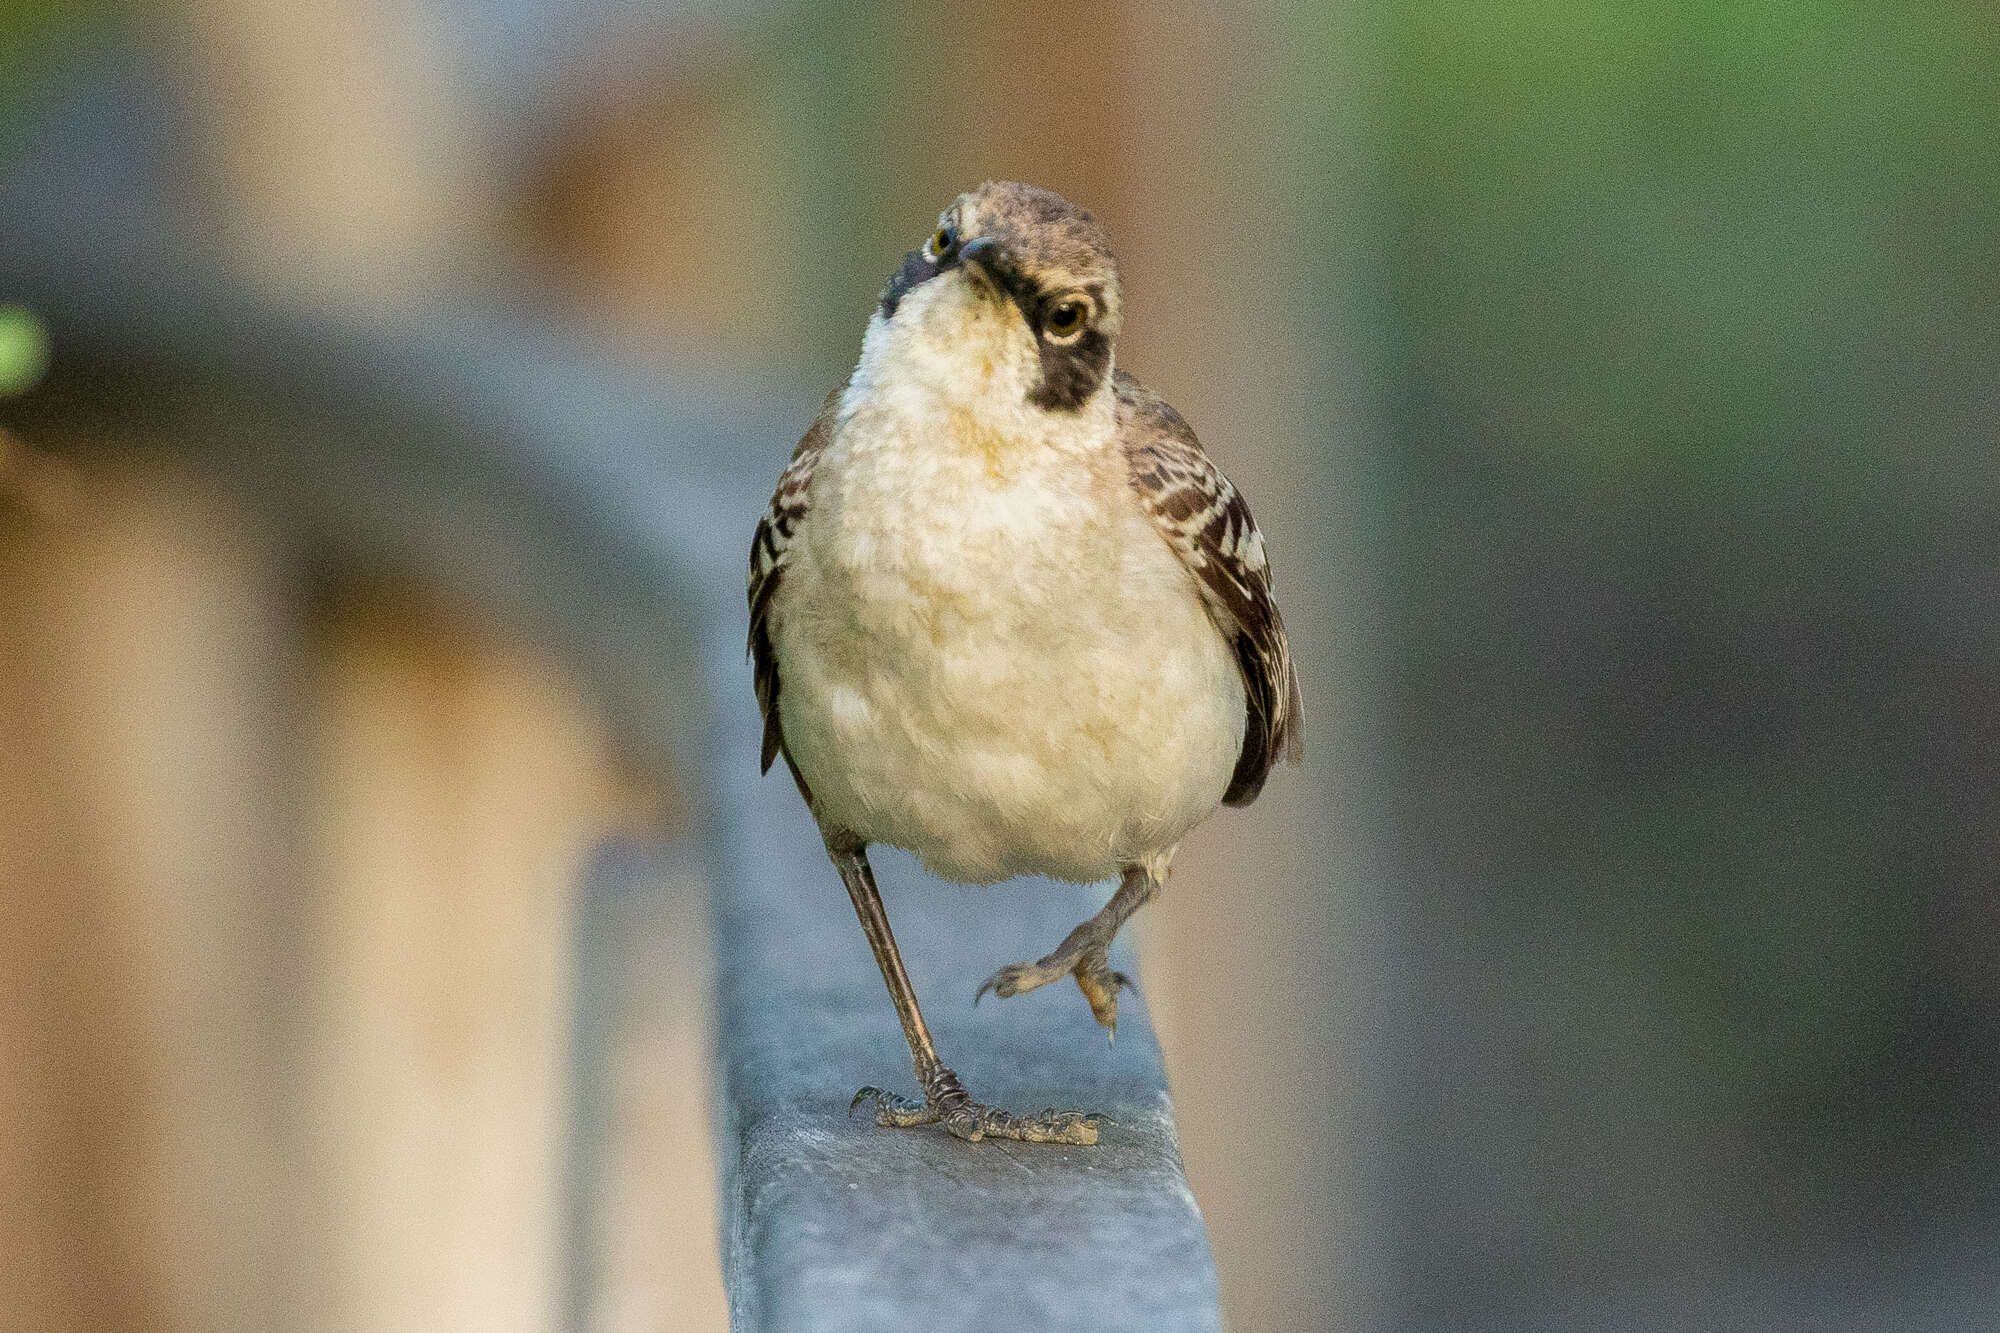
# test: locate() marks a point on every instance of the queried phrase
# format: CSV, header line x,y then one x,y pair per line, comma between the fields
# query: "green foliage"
x,y
1704,236
24,350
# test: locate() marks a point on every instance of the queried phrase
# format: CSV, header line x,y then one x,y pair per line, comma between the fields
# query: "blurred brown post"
x,y
146,865
285,925
459,782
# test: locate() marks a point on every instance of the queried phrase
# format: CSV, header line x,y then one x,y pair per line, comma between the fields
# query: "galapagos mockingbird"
x,y
1006,614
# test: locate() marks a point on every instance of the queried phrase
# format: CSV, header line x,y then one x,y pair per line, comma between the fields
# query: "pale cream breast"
x,y
989,656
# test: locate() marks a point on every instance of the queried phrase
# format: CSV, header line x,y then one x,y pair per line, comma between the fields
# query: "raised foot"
x,y
953,1108
1091,967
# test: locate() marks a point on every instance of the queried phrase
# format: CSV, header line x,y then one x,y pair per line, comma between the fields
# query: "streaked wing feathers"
x,y
767,566
1206,522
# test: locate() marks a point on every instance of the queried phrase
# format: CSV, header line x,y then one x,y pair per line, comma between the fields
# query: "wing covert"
x,y
768,550
1204,519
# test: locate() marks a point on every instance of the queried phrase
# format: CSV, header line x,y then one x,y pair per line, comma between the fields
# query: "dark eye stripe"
x,y
1072,372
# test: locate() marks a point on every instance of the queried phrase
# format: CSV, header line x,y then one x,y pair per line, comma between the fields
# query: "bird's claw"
x,y
1094,977
1100,987
971,1121
1015,978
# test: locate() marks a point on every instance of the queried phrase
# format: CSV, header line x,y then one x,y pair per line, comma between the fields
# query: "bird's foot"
x,y
947,1103
1087,961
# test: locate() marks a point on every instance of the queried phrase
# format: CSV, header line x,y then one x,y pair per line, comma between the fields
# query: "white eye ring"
x,y
1085,308
940,241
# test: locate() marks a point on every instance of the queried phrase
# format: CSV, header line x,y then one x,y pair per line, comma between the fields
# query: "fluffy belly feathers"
x,y
998,681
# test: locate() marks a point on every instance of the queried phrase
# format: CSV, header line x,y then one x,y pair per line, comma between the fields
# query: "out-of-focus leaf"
x,y
24,350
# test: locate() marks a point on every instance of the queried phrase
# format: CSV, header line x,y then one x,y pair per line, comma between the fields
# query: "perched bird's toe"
x,y
1100,986
1017,978
973,1122
1090,967
948,1104
894,1112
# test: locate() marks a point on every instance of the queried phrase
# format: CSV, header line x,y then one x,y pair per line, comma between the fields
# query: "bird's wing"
x,y
1207,524
767,566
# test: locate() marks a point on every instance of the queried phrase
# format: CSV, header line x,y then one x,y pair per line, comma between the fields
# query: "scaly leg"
x,y
945,1100
1083,954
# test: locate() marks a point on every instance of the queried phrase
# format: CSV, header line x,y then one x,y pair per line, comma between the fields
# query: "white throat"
x,y
959,347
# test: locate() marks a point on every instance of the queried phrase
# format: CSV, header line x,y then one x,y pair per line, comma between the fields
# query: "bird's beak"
x,y
988,261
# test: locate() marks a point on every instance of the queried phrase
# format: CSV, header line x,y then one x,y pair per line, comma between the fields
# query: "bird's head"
x,y
1012,300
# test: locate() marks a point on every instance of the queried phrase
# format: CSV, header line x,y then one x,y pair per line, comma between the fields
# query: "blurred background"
x,y
1615,385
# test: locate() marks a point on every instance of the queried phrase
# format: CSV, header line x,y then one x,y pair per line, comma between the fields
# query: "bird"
x,y
1006,614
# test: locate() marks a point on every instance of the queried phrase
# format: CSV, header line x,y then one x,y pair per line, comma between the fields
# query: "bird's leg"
x,y
1083,954
945,1099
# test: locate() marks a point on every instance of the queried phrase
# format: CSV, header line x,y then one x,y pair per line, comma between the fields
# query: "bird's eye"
x,y
940,243
1066,319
